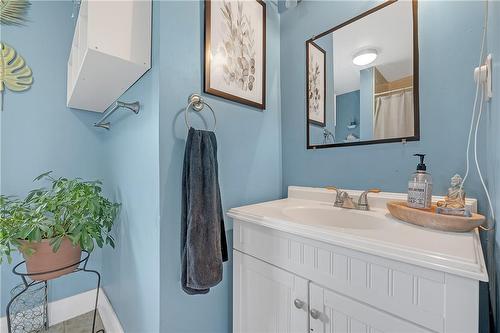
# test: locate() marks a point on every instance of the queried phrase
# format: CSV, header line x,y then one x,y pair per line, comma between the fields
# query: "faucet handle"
x,y
339,199
363,198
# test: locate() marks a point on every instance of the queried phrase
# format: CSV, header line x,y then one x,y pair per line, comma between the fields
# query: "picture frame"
x,y
315,84
416,80
231,71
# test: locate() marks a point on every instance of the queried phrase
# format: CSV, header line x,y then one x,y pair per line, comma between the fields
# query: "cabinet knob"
x,y
298,303
315,314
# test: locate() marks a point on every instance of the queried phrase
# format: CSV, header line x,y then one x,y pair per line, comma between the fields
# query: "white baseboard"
x,y
77,305
108,315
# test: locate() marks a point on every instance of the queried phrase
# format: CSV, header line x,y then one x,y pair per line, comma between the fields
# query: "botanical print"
x,y
314,89
235,50
238,48
316,84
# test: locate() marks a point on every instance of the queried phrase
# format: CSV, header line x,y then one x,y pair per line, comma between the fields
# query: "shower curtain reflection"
x,y
393,116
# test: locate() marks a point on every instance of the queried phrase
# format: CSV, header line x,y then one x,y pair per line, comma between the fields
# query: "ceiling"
x,y
389,31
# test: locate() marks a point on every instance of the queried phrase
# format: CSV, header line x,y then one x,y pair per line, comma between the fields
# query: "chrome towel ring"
x,y
196,102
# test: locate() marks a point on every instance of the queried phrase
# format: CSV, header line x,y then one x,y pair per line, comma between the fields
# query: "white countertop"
x,y
385,236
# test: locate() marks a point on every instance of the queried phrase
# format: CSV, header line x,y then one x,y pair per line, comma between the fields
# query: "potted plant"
x,y
52,225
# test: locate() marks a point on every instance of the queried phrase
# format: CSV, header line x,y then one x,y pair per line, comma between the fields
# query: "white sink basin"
x,y
332,217
310,213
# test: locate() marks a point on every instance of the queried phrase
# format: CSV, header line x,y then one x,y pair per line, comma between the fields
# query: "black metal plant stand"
x,y
29,283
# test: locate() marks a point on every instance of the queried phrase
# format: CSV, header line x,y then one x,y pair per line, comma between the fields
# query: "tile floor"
x,y
80,324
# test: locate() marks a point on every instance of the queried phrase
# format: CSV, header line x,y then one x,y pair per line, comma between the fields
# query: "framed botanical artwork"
x,y
316,84
235,50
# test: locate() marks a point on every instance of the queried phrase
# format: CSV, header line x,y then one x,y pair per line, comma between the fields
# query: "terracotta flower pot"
x,y
44,259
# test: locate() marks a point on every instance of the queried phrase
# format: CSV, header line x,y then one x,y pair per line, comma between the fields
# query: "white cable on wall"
x,y
481,55
476,160
479,85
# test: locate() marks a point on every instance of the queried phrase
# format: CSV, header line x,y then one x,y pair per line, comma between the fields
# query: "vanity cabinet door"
x,y
267,299
333,313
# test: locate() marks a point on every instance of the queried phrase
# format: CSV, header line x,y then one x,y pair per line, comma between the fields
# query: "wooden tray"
x,y
429,218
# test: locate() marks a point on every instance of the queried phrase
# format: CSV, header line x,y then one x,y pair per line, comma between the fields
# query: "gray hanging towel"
x,y
203,238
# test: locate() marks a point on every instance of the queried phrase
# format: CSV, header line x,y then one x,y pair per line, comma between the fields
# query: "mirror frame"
x,y
416,106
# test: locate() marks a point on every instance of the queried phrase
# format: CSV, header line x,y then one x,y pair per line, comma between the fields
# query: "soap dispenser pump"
x,y
420,186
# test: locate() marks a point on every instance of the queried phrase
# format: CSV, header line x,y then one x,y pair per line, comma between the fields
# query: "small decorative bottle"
x,y
420,187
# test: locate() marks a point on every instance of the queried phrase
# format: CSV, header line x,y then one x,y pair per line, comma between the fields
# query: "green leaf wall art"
x,y
13,12
14,73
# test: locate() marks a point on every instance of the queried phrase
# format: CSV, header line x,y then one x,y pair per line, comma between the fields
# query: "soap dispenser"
x,y
420,187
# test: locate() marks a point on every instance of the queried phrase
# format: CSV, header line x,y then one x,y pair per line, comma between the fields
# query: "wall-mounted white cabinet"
x,y
111,50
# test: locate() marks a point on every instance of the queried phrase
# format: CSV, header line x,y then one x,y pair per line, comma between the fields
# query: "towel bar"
x,y
134,107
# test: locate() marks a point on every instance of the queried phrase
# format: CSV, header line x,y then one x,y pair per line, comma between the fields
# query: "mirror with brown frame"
x,y
362,79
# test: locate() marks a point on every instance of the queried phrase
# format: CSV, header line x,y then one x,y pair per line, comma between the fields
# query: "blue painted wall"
x,y
260,152
140,160
451,29
131,272
38,132
347,111
492,118
249,157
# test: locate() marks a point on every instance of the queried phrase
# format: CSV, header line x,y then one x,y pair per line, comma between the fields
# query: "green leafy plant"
x,y
70,208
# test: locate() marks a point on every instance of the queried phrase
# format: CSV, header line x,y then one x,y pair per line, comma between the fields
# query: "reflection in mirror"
x,y
362,79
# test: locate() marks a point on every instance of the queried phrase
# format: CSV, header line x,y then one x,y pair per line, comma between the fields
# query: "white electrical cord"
x,y
481,54
470,135
476,160
485,28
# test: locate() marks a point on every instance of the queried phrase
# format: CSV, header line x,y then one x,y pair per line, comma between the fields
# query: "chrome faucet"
x,y
343,200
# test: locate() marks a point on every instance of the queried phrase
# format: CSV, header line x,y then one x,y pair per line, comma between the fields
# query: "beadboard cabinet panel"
x,y
422,297
341,314
265,297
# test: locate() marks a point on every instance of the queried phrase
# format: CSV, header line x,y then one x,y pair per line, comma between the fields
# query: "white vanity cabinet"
x,y
266,297
336,313
301,277
269,299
